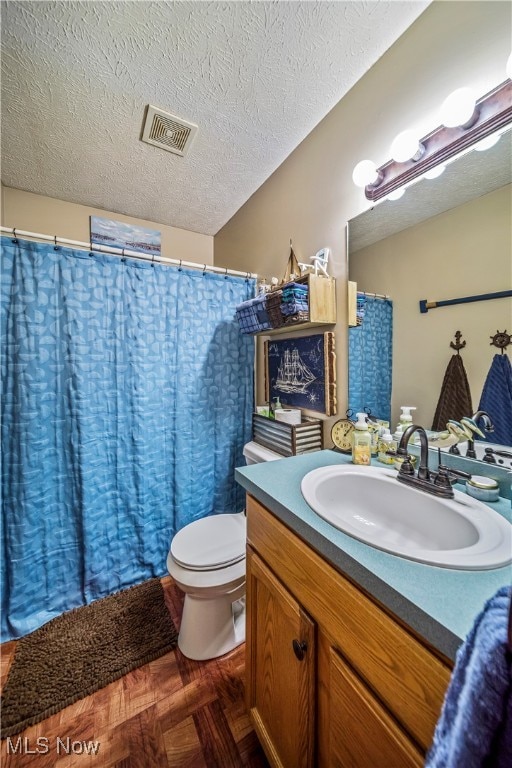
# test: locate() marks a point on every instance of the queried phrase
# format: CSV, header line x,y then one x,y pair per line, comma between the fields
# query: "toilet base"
x,y
211,627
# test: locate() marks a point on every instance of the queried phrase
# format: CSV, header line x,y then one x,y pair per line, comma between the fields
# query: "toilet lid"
x,y
210,543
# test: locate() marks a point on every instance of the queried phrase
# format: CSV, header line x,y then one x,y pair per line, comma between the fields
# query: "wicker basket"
x,y
273,303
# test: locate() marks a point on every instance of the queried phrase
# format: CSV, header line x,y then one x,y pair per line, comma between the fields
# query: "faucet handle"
x,y
406,467
442,468
442,478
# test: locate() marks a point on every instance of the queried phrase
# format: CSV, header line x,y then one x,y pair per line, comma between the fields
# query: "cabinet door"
x,y
281,669
361,731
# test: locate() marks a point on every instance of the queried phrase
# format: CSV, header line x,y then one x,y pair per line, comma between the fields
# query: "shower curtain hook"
x,y
14,234
204,270
226,274
55,246
153,260
179,268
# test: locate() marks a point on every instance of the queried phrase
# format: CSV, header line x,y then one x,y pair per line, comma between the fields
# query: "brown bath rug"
x,y
83,650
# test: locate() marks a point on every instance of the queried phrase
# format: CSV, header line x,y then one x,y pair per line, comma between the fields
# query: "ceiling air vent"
x,y
161,129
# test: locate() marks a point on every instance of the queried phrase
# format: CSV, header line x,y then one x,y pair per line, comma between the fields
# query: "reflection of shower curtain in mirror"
x,y
370,347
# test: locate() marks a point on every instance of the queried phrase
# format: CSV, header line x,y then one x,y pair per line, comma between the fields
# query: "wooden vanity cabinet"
x,y
281,669
363,692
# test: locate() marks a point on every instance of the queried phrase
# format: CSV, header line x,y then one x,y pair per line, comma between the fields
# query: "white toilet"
x,y
207,562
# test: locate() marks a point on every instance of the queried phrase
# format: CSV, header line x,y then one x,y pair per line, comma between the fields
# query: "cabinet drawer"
x,y
403,672
361,732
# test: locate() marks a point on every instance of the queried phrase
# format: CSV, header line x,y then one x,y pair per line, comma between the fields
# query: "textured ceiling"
x,y
256,77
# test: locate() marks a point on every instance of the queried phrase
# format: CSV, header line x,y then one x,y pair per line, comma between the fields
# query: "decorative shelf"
x,y
321,305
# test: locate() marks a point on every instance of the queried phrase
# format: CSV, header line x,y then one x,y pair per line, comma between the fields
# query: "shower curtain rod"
x,y
374,295
124,252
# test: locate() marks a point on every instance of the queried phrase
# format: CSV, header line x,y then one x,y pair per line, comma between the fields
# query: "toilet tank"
x,y
255,453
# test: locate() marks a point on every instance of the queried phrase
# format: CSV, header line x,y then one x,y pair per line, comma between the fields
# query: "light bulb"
x,y
406,147
396,194
435,172
487,143
365,173
508,67
458,108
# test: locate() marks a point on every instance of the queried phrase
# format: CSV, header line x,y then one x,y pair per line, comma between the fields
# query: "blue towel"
x,y
497,399
475,726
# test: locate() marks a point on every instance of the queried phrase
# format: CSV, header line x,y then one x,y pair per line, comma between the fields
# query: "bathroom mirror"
x,y
446,238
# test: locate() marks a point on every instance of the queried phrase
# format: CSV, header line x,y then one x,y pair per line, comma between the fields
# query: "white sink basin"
x,y
370,504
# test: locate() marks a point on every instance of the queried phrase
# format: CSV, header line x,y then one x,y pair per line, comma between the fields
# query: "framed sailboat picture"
x,y
302,372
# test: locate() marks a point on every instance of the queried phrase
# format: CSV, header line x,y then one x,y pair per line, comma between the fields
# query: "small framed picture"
x,y
302,372
116,234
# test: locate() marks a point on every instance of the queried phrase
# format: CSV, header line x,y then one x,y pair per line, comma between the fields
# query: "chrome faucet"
x,y
437,483
487,425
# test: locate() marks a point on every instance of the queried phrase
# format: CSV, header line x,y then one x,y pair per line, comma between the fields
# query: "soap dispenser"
x,y
386,443
361,441
406,419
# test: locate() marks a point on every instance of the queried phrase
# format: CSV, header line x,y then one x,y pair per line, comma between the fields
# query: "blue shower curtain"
x,y
127,392
370,349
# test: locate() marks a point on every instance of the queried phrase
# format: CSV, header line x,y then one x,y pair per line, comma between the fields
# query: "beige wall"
x,y
463,252
48,216
311,195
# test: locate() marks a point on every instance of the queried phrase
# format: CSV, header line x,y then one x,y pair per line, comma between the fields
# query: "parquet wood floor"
x,y
170,713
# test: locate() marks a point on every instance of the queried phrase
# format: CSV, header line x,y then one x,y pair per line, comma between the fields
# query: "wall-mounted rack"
x,y
425,305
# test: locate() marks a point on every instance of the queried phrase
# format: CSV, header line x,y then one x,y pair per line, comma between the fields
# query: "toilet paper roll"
x,y
288,415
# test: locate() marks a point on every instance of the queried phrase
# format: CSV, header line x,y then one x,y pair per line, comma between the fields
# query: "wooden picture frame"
x,y
301,371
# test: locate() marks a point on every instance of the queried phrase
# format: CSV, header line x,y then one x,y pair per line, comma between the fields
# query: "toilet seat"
x,y
211,543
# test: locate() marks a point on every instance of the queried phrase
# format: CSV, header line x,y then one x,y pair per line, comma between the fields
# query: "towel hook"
x,y
458,345
501,339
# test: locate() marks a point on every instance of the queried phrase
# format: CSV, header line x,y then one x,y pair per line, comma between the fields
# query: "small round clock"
x,y
341,435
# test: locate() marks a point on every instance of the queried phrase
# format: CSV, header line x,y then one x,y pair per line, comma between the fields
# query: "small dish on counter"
x,y
483,488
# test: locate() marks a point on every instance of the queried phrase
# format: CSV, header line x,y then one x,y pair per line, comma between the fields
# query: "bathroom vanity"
x,y
349,649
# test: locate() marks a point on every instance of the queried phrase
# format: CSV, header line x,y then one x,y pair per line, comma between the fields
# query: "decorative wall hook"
x,y
458,344
501,339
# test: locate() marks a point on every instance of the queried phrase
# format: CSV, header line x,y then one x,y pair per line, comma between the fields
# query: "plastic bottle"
x,y
405,419
361,441
386,443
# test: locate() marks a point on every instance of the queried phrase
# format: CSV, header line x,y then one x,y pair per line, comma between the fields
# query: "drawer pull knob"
x,y
299,648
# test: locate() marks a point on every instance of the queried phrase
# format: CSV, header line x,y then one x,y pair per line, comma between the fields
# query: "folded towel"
x,y
496,400
475,726
455,397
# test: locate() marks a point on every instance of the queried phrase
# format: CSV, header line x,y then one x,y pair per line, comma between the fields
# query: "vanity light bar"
x,y
493,113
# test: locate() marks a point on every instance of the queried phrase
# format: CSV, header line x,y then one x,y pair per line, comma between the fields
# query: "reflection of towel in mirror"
x,y
455,397
475,726
497,399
